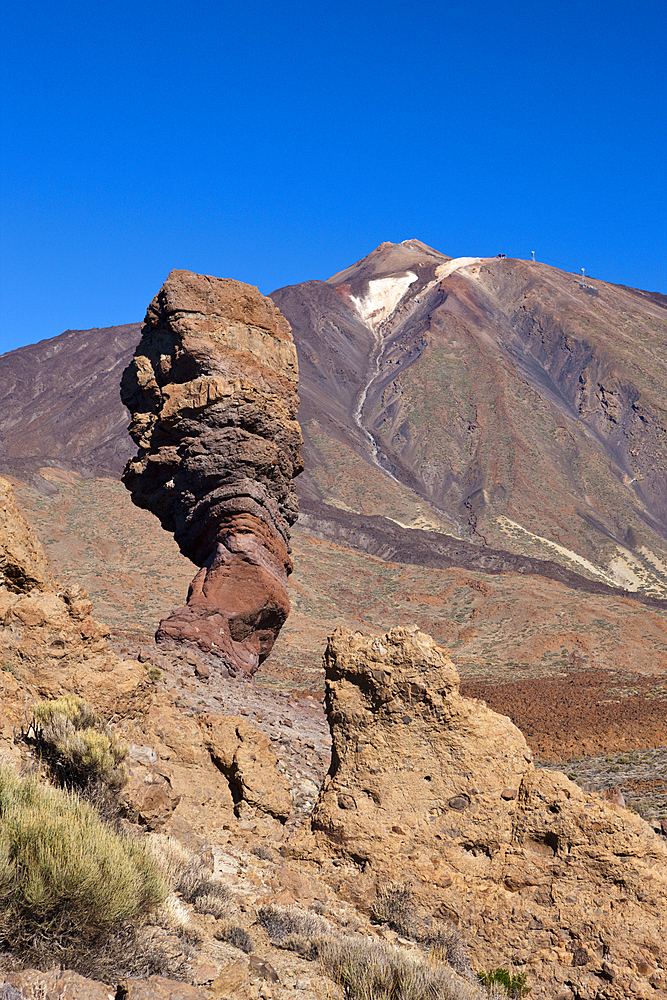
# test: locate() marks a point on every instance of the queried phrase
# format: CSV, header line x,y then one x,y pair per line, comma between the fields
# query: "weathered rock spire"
x,y
212,390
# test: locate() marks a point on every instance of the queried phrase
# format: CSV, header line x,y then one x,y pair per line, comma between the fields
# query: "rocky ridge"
x,y
212,390
437,791
60,406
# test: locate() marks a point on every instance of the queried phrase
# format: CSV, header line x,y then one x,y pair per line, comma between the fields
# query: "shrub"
x,y
364,969
75,744
371,970
445,945
513,984
68,882
294,929
395,907
235,935
262,852
194,882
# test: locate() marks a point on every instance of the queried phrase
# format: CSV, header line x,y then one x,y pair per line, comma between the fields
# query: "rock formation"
x,y
49,642
430,788
212,390
23,562
218,767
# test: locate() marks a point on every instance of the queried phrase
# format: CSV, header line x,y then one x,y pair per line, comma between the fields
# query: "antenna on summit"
x,y
583,278
533,253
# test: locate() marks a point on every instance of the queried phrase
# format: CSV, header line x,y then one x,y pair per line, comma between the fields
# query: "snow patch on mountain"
x,y
382,297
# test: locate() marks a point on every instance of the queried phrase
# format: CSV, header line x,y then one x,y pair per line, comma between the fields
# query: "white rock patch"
x,y
382,297
444,270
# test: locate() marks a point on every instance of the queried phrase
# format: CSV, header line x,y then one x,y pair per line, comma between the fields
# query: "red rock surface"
x,y
213,393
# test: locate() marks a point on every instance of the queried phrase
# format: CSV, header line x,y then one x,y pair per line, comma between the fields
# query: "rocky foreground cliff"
x,y
212,390
431,801
439,795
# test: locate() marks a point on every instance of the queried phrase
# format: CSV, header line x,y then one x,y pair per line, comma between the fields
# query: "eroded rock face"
x,y
212,390
436,790
50,643
23,562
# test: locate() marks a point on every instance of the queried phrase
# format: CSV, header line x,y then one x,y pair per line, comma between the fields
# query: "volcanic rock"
x,y
244,755
23,563
488,398
49,637
212,390
437,791
59,404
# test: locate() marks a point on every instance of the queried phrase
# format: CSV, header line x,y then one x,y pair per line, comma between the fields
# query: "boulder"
x,y
212,390
49,640
148,796
244,756
23,562
440,794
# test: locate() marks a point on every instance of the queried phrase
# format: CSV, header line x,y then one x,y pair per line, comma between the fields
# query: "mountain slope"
x,y
497,399
60,403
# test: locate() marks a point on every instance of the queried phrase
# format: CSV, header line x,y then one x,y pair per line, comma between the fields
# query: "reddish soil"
x,y
585,713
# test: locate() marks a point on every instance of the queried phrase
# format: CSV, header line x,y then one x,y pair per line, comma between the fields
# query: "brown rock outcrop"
x,y
437,790
48,638
245,757
212,390
23,562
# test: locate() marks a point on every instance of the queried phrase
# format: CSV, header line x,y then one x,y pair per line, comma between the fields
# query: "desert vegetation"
x,y
71,888
369,969
78,749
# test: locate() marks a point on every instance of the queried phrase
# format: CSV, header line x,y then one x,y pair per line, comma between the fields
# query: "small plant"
x,y
395,906
154,674
372,970
514,984
68,882
79,751
363,968
194,882
260,851
445,946
294,929
235,935
9,668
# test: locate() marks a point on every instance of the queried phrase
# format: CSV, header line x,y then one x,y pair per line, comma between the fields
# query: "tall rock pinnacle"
x,y
212,390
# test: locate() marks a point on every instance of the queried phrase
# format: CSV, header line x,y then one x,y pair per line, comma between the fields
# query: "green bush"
x,y
77,747
67,879
514,984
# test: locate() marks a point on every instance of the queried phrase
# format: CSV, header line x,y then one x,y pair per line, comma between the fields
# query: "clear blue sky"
x,y
280,142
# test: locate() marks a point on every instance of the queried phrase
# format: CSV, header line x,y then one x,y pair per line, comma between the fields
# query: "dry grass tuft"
x,y
367,969
235,935
190,877
295,929
395,906
372,970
